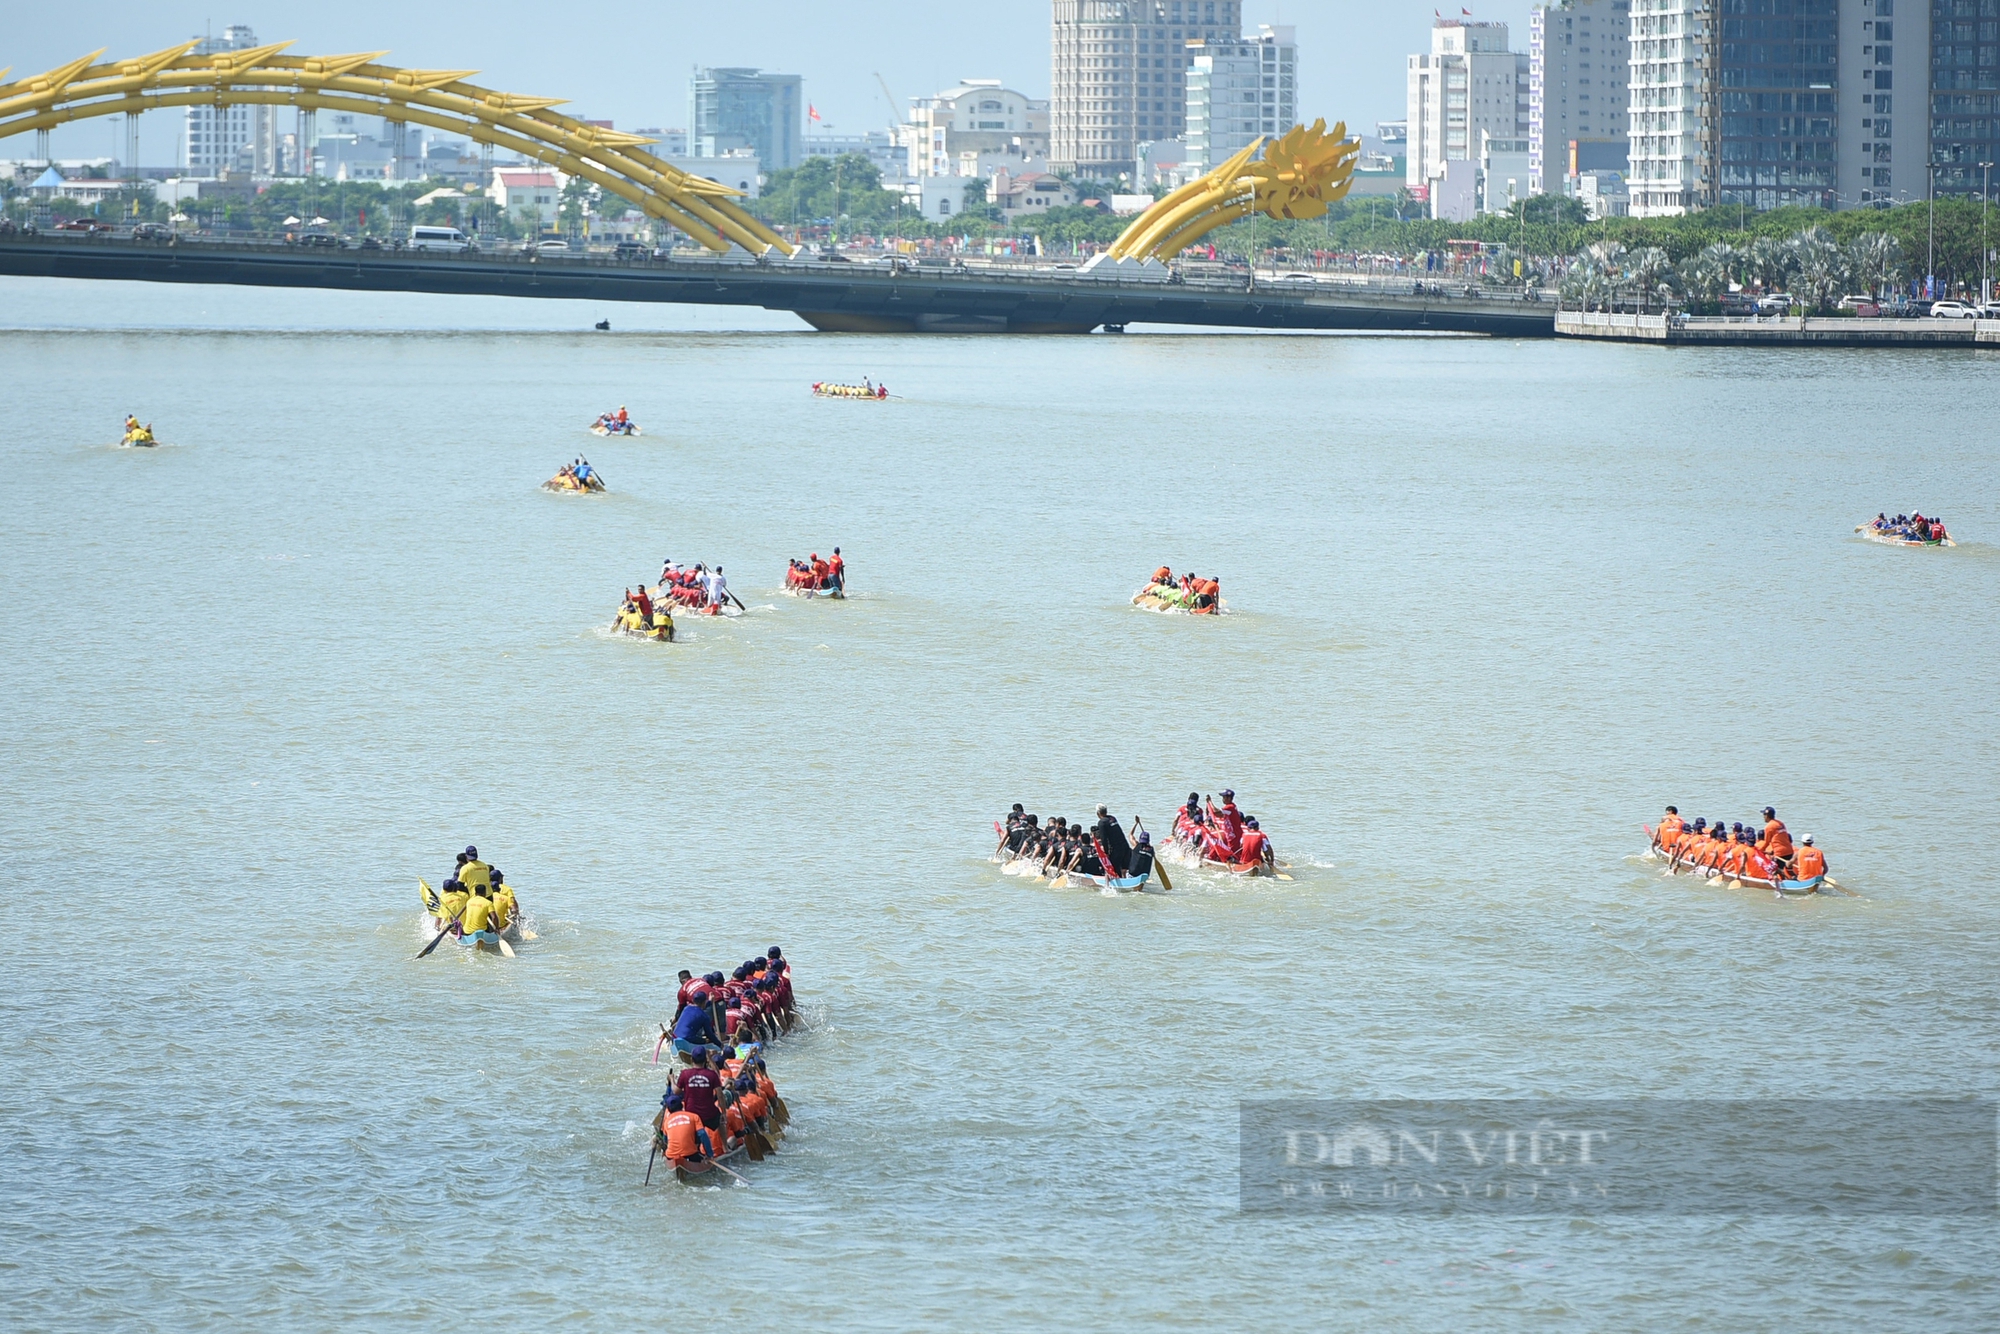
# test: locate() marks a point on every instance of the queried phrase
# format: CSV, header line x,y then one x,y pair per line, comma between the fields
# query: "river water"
x,y
1494,604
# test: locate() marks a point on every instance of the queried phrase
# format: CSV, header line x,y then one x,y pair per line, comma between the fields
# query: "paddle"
x,y
505,948
653,1153
430,895
660,1044
727,1171
1160,870
760,1145
434,940
733,598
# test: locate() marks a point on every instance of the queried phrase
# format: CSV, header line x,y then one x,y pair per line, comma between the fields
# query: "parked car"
x,y
1777,303
1989,311
1951,310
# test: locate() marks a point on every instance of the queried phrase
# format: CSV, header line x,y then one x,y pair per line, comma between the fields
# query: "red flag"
x,y
812,112
1466,12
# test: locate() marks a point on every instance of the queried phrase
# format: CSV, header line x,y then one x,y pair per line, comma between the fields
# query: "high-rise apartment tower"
x,y
1118,76
1579,55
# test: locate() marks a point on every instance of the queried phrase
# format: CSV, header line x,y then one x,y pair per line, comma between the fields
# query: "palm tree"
x,y
1707,275
1821,264
1877,261
1767,259
1653,274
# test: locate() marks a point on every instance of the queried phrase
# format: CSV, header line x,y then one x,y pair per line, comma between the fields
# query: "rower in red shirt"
x,y
836,572
1255,849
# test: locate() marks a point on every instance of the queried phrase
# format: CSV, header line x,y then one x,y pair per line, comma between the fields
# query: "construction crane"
x,y
895,107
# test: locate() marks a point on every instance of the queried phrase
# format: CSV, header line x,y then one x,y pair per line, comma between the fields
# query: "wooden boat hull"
x,y
702,1172
599,430
798,592
569,485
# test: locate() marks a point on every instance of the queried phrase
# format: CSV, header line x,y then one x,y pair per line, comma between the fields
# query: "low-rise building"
x,y
531,196
978,116
937,197
1603,194
1020,196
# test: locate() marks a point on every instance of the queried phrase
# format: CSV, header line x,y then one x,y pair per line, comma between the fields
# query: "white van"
x,y
438,238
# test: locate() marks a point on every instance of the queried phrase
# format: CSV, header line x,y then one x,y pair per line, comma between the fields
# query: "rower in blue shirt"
x,y
695,1029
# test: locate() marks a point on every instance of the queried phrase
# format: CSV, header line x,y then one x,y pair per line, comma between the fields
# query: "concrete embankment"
x,y
1719,331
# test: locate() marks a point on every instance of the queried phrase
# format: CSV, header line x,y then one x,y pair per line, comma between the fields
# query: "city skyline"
x,y
609,70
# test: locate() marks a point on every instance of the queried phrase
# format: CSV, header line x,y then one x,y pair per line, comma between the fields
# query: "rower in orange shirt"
x,y
1777,840
1811,861
1671,825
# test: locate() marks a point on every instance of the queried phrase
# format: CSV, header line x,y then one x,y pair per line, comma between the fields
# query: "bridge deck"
x,y
849,296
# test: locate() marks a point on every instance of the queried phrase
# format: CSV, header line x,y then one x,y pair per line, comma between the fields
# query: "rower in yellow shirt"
x,y
475,872
503,903
478,917
452,902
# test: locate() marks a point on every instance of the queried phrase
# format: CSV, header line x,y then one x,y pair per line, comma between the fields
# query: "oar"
x,y
733,598
1158,869
434,941
654,1152
505,948
726,1171
430,895
657,1046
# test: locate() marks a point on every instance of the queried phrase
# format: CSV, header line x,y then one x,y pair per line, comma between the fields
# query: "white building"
x,y
231,138
1020,196
1239,91
1118,76
1454,190
1503,173
1579,56
937,197
979,116
531,196
1669,170
1467,83
878,146
1603,194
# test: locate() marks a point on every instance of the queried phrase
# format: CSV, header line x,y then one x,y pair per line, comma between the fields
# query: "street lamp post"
x,y
1930,255
1985,279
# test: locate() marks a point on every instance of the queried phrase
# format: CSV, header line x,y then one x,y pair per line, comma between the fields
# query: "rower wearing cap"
x,y
1141,862
697,1086
475,872
1810,861
684,1138
1255,849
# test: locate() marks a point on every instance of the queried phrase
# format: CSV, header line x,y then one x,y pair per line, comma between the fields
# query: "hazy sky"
x,y
630,63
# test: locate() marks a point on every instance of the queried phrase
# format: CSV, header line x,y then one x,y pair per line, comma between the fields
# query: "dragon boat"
x,y
1187,848
1011,863
1733,879
629,428
495,941
659,627
827,389
1172,598
139,437
567,481
1893,537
